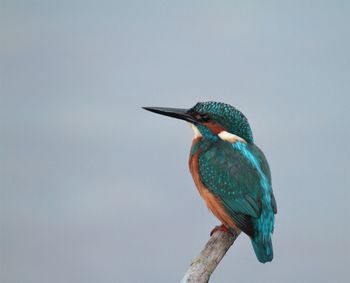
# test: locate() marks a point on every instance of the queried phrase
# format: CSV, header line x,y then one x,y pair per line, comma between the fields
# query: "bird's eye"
x,y
205,118
200,117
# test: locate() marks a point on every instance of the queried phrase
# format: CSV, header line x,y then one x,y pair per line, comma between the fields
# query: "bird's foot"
x,y
222,228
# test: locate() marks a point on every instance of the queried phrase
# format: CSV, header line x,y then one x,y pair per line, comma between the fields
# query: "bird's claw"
x,y
222,228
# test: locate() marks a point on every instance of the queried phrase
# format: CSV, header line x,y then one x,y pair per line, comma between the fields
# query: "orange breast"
x,y
213,203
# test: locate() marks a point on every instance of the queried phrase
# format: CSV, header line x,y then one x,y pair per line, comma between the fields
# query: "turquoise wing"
x,y
230,175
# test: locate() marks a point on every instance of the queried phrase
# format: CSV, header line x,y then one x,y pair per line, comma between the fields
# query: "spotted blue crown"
x,y
227,116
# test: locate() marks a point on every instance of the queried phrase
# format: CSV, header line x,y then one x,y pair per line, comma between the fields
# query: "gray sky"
x,y
94,189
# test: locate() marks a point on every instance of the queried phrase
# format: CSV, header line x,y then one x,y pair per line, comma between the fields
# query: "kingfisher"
x,y
230,171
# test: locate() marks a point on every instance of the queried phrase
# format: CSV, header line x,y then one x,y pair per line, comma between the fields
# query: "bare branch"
x,y
203,266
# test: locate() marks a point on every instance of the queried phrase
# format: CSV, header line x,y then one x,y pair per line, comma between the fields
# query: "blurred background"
x,y
95,189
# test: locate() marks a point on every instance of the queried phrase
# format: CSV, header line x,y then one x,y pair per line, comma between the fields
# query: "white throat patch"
x,y
226,136
197,133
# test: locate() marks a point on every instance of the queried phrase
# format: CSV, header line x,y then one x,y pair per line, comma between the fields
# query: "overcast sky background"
x,y
95,189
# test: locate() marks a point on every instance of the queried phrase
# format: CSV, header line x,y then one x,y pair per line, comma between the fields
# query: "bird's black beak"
x,y
183,114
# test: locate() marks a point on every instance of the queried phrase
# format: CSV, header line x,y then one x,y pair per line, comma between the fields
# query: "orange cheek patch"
x,y
215,128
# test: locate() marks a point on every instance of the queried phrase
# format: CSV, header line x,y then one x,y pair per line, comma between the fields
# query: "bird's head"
x,y
212,120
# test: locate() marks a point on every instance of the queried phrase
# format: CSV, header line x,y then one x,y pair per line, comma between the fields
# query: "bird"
x,y
230,171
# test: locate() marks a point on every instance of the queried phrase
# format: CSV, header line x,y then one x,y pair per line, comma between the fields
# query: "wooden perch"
x,y
203,266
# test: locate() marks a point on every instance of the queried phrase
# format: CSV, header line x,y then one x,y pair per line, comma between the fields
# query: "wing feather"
x,y
228,174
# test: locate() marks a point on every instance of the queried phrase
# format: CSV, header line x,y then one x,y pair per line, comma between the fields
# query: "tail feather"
x,y
263,250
